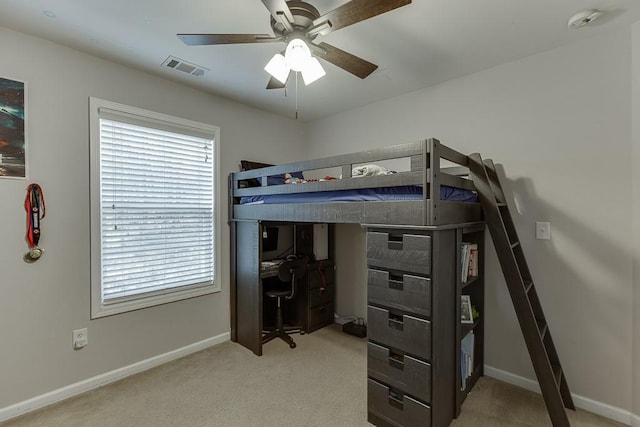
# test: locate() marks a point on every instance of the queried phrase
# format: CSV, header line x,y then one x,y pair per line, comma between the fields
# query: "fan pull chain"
x,y
296,95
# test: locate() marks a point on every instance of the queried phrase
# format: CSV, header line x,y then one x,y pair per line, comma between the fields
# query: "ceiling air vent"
x,y
184,66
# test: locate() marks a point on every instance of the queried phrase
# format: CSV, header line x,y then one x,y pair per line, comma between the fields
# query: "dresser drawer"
x,y
315,278
406,292
320,316
396,409
317,297
405,373
407,252
405,333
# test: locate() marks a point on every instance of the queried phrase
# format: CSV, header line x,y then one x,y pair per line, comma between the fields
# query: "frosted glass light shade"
x,y
312,71
297,54
278,68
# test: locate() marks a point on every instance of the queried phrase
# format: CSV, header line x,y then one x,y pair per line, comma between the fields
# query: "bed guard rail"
x,y
424,155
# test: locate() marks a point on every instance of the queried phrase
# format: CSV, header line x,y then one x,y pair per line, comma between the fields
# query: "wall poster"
x,y
12,129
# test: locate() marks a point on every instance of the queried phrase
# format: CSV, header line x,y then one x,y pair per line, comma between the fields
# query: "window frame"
x,y
152,119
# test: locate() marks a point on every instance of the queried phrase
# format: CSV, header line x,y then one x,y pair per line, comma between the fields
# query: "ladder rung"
x,y
514,244
542,328
528,286
557,373
501,205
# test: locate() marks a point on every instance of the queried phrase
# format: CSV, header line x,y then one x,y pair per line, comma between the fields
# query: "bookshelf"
x,y
469,336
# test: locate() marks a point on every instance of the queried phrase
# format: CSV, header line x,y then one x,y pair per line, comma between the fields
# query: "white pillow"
x,y
369,170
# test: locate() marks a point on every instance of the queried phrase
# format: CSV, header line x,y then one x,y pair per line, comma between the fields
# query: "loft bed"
x,y
401,198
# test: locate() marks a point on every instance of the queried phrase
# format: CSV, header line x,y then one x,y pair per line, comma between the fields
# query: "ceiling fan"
x,y
298,23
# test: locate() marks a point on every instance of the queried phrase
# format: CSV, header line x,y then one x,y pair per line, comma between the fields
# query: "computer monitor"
x,y
269,239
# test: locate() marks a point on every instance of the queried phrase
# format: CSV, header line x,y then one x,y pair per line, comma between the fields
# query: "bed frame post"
x,y
232,249
232,281
433,181
424,167
230,191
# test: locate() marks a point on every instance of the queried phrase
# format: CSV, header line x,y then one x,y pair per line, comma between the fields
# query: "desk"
x,y
310,308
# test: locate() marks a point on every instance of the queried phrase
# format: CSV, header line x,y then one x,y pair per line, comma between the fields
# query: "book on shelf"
x,y
466,309
464,257
466,358
473,260
469,260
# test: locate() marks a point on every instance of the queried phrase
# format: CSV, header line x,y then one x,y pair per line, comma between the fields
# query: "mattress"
x,y
402,193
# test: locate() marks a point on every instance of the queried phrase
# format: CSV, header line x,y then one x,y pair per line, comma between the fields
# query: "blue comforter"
x,y
408,192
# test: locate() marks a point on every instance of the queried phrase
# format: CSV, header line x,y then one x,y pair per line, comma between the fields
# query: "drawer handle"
x,y
396,361
395,246
396,324
395,242
396,284
396,399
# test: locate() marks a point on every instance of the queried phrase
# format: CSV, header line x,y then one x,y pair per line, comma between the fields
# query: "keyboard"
x,y
270,268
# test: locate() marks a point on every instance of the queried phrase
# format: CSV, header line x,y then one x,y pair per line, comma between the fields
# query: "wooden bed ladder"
x,y
537,335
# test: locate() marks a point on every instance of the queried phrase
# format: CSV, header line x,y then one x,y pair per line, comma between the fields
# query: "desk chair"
x,y
288,271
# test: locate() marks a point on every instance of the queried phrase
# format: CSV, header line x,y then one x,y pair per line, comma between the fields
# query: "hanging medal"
x,y
35,208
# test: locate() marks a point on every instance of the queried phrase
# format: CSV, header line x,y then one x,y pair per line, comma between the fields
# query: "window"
x,y
153,208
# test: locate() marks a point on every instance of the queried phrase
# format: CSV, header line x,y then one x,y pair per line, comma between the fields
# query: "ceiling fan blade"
x,y
354,12
278,9
276,84
209,39
348,62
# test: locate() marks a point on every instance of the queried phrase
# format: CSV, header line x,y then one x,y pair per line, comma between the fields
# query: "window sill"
x,y
110,309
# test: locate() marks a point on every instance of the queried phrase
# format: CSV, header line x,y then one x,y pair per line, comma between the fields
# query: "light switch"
x,y
543,230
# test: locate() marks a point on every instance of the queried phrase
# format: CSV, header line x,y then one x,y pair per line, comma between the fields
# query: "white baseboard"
x,y
609,411
106,378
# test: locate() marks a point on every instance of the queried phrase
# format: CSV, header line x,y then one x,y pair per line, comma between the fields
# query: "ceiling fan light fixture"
x,y
278,68
297,54
312,71
297,57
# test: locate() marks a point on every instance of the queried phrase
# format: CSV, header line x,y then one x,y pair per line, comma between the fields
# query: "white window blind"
x,y
156,207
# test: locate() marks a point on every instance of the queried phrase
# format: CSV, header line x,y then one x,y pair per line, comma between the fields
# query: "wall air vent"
x,y
184,66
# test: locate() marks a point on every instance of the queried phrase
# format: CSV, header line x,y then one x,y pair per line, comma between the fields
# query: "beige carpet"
x,y
320,383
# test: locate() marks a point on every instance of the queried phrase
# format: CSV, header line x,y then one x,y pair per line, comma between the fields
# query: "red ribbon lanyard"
x,y
34,205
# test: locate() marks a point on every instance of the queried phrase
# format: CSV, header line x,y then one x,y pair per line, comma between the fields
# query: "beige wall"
x,y
560,125
41,303
635,237
351,270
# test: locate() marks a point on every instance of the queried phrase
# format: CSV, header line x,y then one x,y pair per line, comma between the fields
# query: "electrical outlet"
x,y
80,338
543,230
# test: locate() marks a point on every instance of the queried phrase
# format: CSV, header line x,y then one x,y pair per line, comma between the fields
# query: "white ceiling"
x,y
418,45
